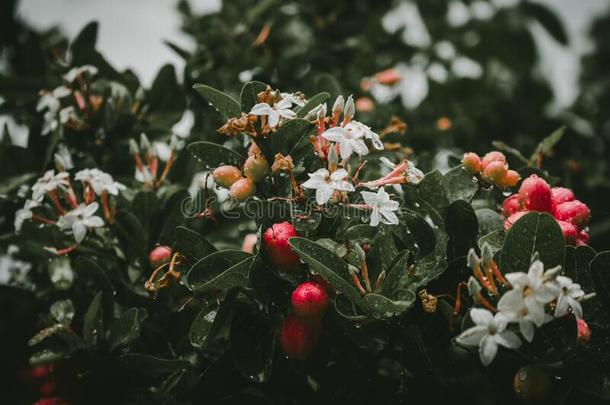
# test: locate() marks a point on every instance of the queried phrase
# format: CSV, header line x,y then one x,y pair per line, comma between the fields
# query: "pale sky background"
x,y
132,33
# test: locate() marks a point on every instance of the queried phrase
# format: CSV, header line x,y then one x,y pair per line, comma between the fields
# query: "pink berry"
x,y
277,249
242,189
583,238
511,179
298,338
570,233
472,163
494,156
159,255
495,172
561,195
511,206
535,194
225,176
574,212
309,301
584,332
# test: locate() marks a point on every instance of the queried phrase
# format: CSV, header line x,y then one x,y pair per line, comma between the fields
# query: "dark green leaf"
x,y
213,155
248,95
291,136
126,329
201,326
219,271
600,275
223,103
152,366
93,326
383,307
459,185
462,228
313,103
394,272
192,245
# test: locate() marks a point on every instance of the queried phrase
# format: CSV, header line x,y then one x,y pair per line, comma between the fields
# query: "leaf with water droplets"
x,y
223,103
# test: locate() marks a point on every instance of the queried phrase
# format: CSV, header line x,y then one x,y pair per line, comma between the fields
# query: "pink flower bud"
x,y
159,255
388,77
583,238
510,179
310,301
256,167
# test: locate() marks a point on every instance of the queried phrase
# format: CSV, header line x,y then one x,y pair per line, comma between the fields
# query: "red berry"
x,y
494,156
472,163
510,221
47,388
40,372
511,206
495,172
561,195
584,332
242,189
277,249
298,338
574,212
583,238
310,301
159,255
225,176
256,167
535,194
570,233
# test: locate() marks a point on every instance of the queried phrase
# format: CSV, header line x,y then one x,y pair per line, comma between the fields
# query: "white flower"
x,y
360,130
530,292
568,295
489,333
325,184
281,109
80,219
50,100
100,181
24,213
49,182
349,141
383,207
67,114
298,98
77,71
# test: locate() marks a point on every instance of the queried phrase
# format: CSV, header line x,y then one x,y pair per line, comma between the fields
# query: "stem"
x,y
365,276
43,219
53,195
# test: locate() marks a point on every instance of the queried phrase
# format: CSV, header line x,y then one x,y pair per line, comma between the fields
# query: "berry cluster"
x,y
492,169
241,187
535,194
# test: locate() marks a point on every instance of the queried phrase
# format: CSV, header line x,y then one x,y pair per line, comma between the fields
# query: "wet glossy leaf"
x,y
459,185
223,103
192,244
248,95
213,155
219,271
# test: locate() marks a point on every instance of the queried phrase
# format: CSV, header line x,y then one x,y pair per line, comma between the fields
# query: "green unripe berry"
x,y
256,167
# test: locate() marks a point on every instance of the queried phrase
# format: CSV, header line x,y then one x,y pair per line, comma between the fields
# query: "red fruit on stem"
x,y
510,179
225,176
511,206
561,195
159,255
583,238
277,249
310,301
242,189
510,221
535,194
584,332
574,212
495,172
298,338
472,163
570,233
494,156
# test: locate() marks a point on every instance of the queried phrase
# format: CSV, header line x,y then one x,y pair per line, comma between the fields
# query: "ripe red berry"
x,y
472,163
298,338
159,255
495,172
225,176
277,249
535,194
583,238
242,189
584,332
574,212
511,206
561,195
570,233
256,167
494,156
510,221
310,301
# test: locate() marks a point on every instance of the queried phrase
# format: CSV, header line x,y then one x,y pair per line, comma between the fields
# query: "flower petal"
x,y
260,109
488,349
472,336
79,230
323,194
481,317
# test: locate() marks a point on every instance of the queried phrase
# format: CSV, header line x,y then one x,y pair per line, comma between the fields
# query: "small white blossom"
x,y
49,182
295,98
349,142
67,114
77,71
569,293
325,184
49,101
25,213
279,110
80,219
488,333
383,207
360,130
100,181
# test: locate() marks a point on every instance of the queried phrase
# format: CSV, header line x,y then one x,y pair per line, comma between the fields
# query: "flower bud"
x,y
574,212
472,163
256,167
584,332
570,233
144,142
350,107
298,338
309,301
276,247
338,105
225,176
242,189
535,194
511,205
495,172
159,255
561,195
134,149
493,156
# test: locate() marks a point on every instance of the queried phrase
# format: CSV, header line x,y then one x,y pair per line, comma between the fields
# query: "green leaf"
x,y
145,206
535,232
394,272
126,329
459,184
577,263
291,136
201,326
191,244
219,271
312,103
489,221
152,366
14,182
506,148
248,95
546,146
383,307
213,155
431,190
328,265
326,82
600,275
223,103
93,325
85,40
132,235
495,240
462,228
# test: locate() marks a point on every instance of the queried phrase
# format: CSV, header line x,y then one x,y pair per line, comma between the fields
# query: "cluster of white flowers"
x,y
533,299
99,181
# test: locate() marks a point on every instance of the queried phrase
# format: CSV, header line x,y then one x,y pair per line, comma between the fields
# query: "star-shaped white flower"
x,y
383,207
279,110
80,219
25,213
100,181
530,292
360,130
488,333
325,184
349,141
49,182
295,98
569,293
